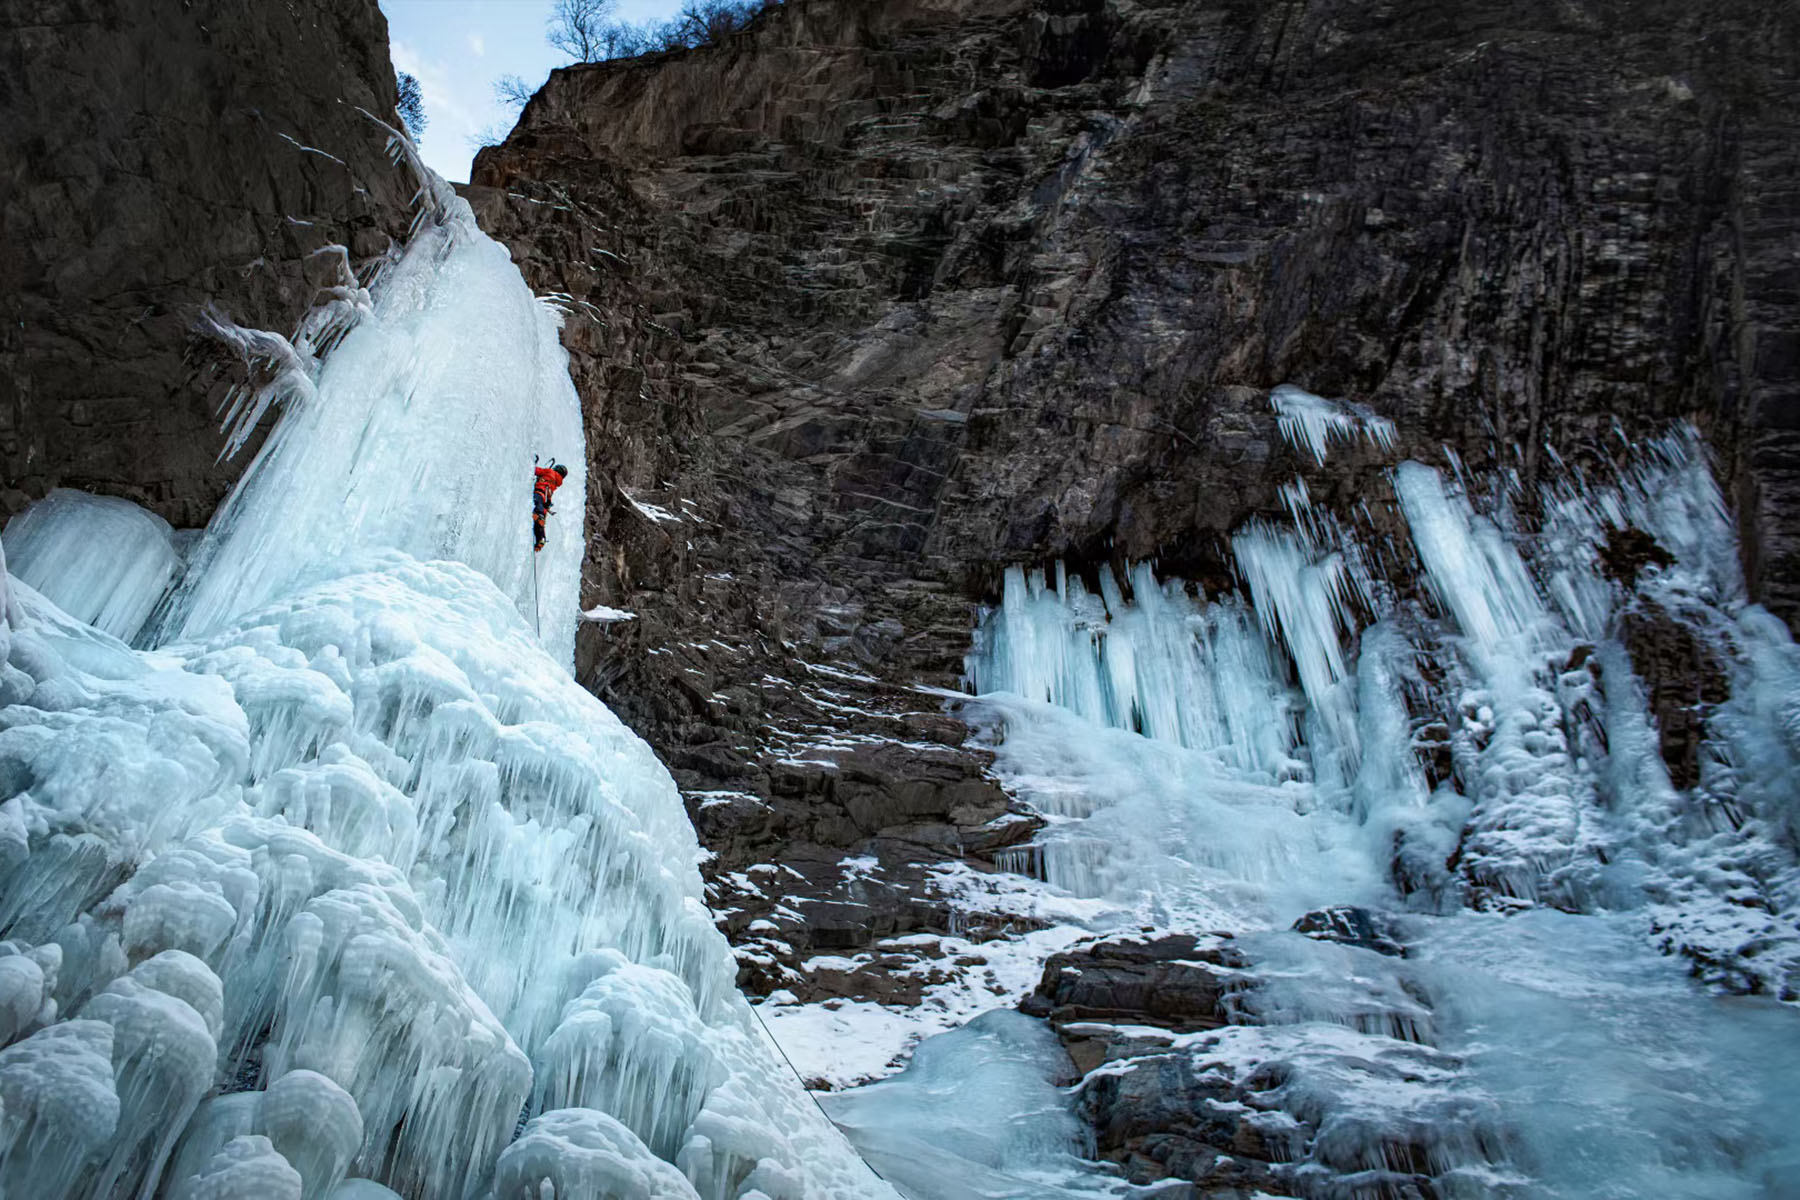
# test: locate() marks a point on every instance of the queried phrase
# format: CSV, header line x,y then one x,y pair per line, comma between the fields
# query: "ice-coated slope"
x,y
1539,1037
346,889
976,1115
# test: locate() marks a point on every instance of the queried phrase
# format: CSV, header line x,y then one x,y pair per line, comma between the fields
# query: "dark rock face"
x,y
874,299
152,157
1176,981
1684,680
1154,1112
1105,1000
1353,926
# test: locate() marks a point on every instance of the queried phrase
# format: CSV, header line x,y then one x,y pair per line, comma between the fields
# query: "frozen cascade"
x,y
1529,836
1156,665
363,459
1542,1033
346,889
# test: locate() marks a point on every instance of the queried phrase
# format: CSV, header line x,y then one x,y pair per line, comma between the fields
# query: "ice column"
x,y
1303,598
100,559
1529,832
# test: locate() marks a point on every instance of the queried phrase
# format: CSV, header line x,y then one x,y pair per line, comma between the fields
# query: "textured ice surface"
x,y
1303,596
417,434
100,559
1168,835
1613,1073
582,1152
346,889
1155,664
1538,1038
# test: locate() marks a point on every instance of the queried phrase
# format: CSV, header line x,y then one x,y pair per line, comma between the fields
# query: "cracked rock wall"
x,y
873,299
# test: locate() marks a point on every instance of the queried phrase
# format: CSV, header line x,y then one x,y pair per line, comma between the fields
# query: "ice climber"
x,y
548,480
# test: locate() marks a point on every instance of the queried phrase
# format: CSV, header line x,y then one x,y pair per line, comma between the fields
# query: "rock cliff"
x,y
873,299
877,298
154,157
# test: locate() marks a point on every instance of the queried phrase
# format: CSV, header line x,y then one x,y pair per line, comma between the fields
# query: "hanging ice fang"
x,y
1312,422
348,876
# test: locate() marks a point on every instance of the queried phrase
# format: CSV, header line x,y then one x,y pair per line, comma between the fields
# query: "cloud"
x,y
477,45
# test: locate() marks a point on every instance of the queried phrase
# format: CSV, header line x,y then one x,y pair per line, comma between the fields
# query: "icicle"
x,y
1164,666
280,374
1303,601
1311,423
340,304
1473,571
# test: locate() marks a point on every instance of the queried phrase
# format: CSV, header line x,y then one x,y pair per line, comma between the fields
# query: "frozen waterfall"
x,y
344,888
1588,1004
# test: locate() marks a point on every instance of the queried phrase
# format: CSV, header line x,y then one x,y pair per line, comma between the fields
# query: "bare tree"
x,y
577,28
621,40
581,29
701,22
493,135
513,91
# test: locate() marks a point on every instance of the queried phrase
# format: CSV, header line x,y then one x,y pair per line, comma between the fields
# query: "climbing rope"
x,y
537,614
537,624
798,1078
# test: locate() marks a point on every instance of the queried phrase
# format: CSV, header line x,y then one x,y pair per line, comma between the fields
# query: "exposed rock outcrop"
x,y
1183,1083
1684,679
154,157
1175,981
1352,926
1120,1008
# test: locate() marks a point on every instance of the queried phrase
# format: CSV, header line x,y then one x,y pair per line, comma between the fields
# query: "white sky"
x,y
458,48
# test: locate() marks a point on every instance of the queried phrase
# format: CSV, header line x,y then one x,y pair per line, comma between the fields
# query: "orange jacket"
x,y
545,487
